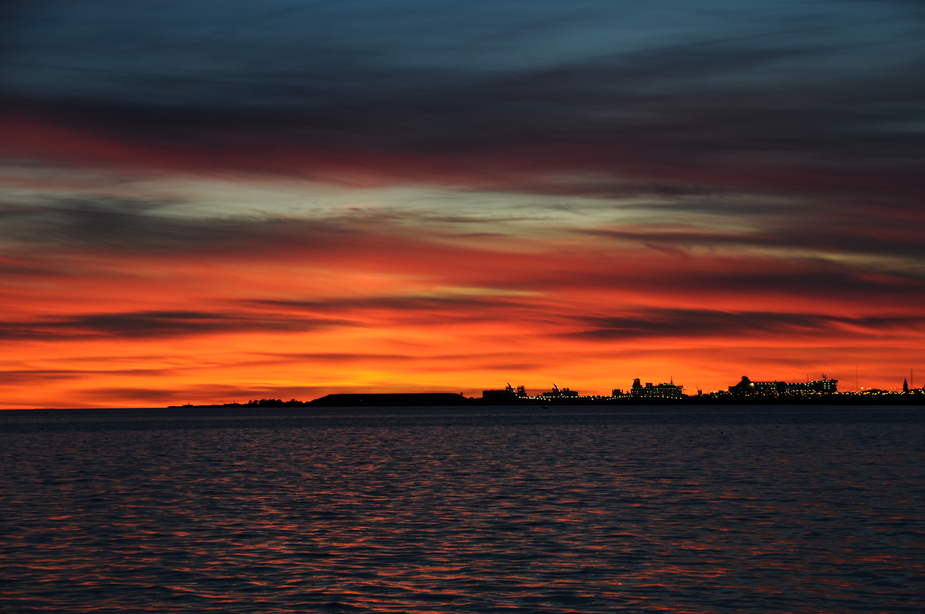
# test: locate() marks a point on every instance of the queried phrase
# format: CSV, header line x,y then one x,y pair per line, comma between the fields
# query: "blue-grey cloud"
x,y
700,106
656,323
157,324
827,257
880,237
805,97
144,226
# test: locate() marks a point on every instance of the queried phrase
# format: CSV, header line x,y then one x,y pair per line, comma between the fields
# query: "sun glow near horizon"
x,y
326,214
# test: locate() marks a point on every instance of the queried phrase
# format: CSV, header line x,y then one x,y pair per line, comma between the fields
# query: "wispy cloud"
x,y
156,324
744,98
756,325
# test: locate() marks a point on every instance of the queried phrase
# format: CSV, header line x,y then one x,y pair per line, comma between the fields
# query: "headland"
x,y
745,392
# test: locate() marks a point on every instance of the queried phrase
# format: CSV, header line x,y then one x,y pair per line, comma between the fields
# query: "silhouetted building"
x,y
556,393
498,396
658,391
636,388
413,399
822,386
746,386
504,396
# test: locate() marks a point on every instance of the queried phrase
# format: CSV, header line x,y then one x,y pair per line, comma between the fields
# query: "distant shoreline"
x,y
425,399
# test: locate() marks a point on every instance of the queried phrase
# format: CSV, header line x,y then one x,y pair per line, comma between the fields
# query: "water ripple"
x,y
440,511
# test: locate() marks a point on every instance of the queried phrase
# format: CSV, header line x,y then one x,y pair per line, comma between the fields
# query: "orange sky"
x,y
627,195
127,288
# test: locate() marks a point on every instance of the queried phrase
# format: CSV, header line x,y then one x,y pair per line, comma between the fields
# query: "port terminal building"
x,y
651,391
637,391
747,386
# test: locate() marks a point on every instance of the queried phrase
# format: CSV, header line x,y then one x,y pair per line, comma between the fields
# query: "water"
x,y
563,509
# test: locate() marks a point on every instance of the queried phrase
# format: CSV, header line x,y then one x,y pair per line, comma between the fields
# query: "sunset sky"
x,y
206,201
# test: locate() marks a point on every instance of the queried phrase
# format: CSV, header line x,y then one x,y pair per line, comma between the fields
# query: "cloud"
x,y
164,229
39,376
883,237
774,108
394,266
429,304
156,325
706,324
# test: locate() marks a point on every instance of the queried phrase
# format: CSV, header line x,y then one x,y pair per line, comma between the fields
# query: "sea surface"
x,y
508,509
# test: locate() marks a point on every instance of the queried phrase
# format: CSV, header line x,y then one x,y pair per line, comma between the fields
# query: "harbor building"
x,y
556,393
658,391
504,396
747,386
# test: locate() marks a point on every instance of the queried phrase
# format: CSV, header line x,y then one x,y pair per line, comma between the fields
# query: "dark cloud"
x,y
500,132
37,376
757,280
827,258
399,303
713,324
336,357
158,324
140,226
797,99
879,237
415,310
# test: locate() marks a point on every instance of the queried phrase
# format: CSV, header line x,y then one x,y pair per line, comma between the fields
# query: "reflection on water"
x,y
416,510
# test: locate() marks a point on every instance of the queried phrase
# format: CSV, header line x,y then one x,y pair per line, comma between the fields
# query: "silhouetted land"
x,y
435,399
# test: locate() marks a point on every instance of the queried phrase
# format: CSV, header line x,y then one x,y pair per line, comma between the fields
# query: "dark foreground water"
x,y
564,509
